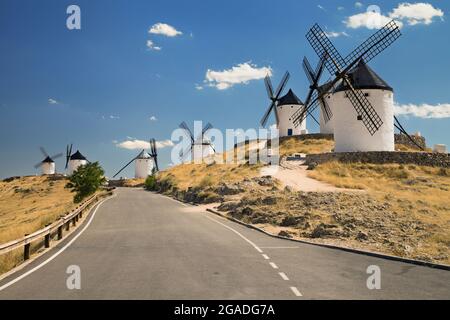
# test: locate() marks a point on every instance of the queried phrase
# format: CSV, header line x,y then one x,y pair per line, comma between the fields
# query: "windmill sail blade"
x,y
184,154
153,146
37,165
326,110
300,115
364,108
309,71
184,126
399,126
206,128
376,43
267,113
44,153
68,154
269,87
324,47
155,160
282,84
56,156
277,118
123,168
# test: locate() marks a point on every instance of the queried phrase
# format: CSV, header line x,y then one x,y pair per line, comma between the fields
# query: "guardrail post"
x,y
26,250
73,221
47,239
68,225
60,232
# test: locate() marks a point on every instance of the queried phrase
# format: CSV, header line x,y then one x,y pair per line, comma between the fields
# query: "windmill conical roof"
x,y
363,77
48,160
143,155
289,98
77,156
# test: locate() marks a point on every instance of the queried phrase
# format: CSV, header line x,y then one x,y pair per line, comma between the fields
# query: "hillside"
x,y
29,203
399,210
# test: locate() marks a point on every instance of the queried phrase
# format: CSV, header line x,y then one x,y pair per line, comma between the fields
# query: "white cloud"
x,y
333,34
164,144
112,117
340,8
240,74
425,111
358,4
151,46
52,101
198,87
164,29
369,20
141,144
417,13
320,7
412,14
153,118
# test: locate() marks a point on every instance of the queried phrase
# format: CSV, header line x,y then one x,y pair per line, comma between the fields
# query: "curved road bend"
x,y
142,245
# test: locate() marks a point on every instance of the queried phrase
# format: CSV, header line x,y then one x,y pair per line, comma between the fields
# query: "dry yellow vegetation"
x,y
205,175
27,204
418,193
291,145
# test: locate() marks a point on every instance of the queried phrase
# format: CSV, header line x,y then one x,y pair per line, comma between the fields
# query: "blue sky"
x,y
100,86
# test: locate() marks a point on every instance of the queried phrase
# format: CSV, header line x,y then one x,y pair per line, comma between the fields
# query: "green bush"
x,y
86,180
150,183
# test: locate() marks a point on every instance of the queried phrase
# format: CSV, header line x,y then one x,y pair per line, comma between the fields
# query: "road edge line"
x,y
39,266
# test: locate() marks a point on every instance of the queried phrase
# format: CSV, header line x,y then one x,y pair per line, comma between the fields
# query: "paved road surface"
x,y
145,246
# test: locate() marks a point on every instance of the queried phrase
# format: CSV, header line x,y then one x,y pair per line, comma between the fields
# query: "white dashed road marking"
x,y
296,292
273,265
265,256
283,276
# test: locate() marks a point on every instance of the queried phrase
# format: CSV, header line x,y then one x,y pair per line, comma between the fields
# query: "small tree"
x,y
150,183
86,180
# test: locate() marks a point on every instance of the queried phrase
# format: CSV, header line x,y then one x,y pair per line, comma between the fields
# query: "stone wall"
x,y
403,139
381,157
309,136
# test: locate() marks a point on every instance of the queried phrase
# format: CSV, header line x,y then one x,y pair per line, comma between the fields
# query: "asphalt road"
x,y
141,245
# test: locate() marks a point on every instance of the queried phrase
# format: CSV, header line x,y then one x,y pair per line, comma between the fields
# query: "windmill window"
x,y
359,118
366,94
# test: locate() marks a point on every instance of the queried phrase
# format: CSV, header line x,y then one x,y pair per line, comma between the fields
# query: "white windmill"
x,y
200,147
73,161
48,164
145,163
361,101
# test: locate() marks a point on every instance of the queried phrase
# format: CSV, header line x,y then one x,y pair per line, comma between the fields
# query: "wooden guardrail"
x,y
45,233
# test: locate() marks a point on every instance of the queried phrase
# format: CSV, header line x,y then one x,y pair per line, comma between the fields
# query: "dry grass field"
x,y
416,193
27,204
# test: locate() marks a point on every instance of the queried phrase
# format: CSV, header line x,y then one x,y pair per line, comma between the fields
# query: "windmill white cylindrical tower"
x,y
48,166
201,151
350,133
76,160
287,106
143,166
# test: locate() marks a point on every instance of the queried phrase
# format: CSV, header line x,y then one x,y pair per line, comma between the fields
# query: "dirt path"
x,y
295,175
